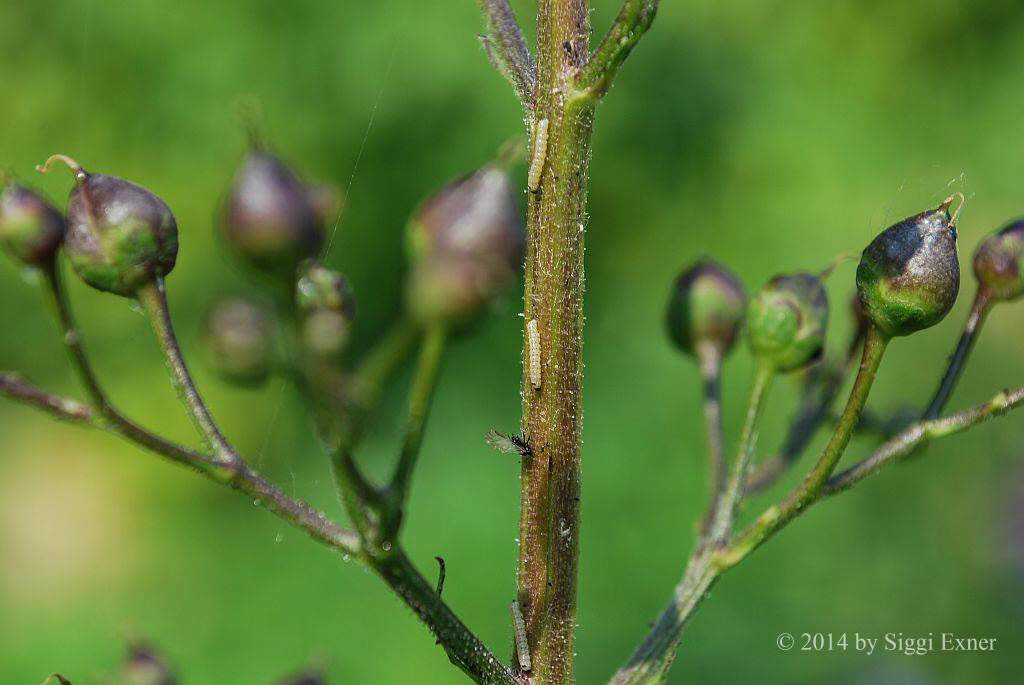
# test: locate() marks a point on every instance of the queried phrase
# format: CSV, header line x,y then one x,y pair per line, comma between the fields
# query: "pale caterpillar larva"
x,y
522,646
533,336
540,152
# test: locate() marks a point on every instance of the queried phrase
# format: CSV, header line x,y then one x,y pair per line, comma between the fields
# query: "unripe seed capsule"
x,y
909,276
787,320
31,229
120,236
997,262
707,304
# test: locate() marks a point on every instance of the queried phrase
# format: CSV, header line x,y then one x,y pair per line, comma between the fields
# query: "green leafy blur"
x,y
769,135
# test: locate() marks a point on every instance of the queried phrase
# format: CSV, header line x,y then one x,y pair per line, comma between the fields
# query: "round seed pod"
x,y
31,229
787,320
909,276
120,236
270,218
997,262
475,216
706,305
327,306
240,338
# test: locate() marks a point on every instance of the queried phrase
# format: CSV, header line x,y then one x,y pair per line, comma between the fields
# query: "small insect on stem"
x,y
522,646
508,444
534,339
540,152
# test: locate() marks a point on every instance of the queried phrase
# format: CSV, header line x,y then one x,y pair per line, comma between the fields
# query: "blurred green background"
x,y
772,135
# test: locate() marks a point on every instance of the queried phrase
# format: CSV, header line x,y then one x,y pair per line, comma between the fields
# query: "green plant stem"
x,y
920,433
776,517
421,395
983,302
552,414
815,409
709,356
153,298
721,526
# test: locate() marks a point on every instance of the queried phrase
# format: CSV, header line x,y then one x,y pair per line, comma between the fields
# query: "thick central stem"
x,y
552,413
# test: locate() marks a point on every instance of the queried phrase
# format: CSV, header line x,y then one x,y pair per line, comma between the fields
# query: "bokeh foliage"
x,y
771,135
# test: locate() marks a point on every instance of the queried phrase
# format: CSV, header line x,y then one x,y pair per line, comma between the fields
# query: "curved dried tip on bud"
x,y
143,666
327,305
240,338
787,321
270,218
706,305
75,167
31,229
997,262
836,262
909,276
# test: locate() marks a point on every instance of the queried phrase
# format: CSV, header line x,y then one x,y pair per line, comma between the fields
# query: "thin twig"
x,y
635,17
153,298
246,480
710,357
919,433
983,302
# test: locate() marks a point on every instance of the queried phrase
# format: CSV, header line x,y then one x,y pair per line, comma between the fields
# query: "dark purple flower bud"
x,y
270,218
31,229
706,306
453,290
475,216
120,236
909,276
997,263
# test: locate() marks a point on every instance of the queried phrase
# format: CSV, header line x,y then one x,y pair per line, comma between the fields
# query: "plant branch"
x,y
153,298
710,358
420,395
919,433
635,17
983,302
721,527
507,50
815,409
245,480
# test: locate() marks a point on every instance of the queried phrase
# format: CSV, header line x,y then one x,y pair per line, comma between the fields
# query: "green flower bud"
x,y
786,321
475,216
327,305
909,276
31,229
449,289
240,337
997,263
706,305
270,218
120,236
